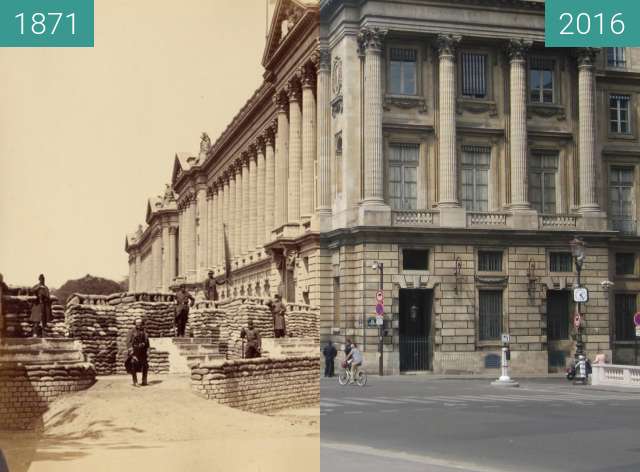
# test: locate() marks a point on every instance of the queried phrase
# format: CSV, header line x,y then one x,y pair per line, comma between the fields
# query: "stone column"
x,y
181,233
139,274
324,133
518,124
224,226
252,240
166,270
448,175
244,234
210,241
261,196
191,237
171,255
132,273
586,143
370,40
309,140
295,152
213,224
235,187
270,183
202,224
281,161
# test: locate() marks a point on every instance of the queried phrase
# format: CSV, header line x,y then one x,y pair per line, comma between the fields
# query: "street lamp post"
x,y
577,251
379,266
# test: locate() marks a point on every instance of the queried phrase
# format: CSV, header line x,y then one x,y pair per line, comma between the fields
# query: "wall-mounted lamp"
x,y
531,276
458,272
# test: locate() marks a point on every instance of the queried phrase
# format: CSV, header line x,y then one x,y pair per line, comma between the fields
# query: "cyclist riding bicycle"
x,y
355,359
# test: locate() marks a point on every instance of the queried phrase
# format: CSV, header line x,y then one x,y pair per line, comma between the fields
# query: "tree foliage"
x,y
89,285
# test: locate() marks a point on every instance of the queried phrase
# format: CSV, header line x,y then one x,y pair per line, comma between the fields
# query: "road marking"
x,y
381,400
352,412
328,404
388,411
407,457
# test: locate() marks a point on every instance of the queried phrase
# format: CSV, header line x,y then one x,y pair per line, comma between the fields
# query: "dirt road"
x,y
162,427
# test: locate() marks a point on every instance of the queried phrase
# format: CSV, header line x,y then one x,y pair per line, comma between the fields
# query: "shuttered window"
x,y
619,114
403,176
542,181
616,57
475,177
490,261
474,75
490,314
403,71
541,75
625,309
621,199
560,262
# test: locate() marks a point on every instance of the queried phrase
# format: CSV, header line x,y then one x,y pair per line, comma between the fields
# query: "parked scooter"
x,y
580,370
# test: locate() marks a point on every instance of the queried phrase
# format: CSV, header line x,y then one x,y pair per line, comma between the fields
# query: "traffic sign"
x,y
636,319
577,320
380,296
506,339
379,309
637,331
380,320
371,321
580,295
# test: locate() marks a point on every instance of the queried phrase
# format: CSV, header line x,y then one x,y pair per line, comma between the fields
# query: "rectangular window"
x,y
490,312
542,181
619,114
474,75
403,71
336,302
557,315
615,57
415,259
560,262
621,209
403,176
490,261
541,72
476,161
625,263
625,309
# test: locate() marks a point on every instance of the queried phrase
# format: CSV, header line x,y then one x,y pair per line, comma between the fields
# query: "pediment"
x,y
285,17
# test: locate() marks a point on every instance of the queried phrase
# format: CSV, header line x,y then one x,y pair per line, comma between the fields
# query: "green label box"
x,y
592,23
46,23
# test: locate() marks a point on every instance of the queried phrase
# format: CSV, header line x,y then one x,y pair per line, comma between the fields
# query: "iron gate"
x,y
415,353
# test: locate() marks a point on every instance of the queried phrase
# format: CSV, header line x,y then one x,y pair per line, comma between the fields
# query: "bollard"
x,y
505,380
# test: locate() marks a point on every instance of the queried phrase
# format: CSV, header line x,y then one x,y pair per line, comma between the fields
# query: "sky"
x,y
87,135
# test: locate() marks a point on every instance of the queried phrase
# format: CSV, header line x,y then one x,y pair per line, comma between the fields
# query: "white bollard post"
x,y
505,380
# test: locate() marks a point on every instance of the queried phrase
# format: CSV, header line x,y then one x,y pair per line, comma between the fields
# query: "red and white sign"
x,y
380,296
577,320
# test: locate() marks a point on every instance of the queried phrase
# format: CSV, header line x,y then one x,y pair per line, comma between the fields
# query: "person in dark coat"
x,y
278,311
347,346
184,300
253,343
41,309
330,352
4,291
137,350
210,287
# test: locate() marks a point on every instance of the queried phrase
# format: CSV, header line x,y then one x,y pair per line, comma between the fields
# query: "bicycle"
x,y
345,377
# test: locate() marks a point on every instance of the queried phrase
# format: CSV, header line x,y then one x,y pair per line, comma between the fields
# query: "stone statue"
x,y
205,143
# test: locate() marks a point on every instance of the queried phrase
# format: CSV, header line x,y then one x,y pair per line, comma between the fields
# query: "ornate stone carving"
x,y
336,76
517,49
406,102
281,102
371,38
260,143
294,93
307,75
546,111
169,196
244,158
270,135
446,44
205,143
586,56
324,59
476,106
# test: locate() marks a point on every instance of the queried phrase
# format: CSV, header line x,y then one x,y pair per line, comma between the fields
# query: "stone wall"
x,y
26,391
260,385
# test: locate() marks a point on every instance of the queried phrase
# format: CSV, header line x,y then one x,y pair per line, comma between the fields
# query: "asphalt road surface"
x,y
414,423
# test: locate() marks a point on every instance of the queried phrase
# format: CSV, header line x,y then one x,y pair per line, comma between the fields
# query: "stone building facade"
x,y
464,156
245,204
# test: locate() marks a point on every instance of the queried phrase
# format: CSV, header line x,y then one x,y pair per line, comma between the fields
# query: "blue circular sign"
x,y
380,309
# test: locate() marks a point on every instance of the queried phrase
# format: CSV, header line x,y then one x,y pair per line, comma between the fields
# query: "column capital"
x,y
244,159
324,59
260,143
586,56
371,39
269,134
517,49
281,101
173,230
252,152
293,90
307,73
446,44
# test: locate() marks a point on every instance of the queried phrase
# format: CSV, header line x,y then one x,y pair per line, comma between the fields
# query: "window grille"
x,y
560,262
490,314
490,261
616,57
625,263
625,309
474,75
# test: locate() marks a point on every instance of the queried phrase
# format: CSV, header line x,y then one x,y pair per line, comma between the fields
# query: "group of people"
x,y
40,308
353,358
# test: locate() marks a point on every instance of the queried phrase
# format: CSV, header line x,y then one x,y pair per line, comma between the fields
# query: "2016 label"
x,y
582,23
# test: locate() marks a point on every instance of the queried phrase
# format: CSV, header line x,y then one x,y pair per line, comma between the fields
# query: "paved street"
x,y
417,423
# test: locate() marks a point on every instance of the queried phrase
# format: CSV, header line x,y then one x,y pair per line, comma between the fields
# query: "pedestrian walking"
x,y
253,343
210,287
330,352
137,350
41,309
278,311
184,300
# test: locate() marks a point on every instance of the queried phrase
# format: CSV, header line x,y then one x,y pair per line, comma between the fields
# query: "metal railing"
x,y
415,353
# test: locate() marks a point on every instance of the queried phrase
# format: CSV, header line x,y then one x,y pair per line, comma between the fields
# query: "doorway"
x,y
415,329
559,344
